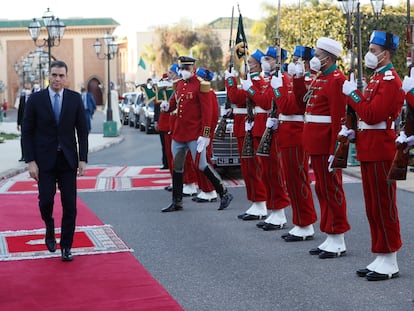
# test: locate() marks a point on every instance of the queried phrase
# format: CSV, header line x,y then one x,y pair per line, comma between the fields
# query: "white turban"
x,y
329,45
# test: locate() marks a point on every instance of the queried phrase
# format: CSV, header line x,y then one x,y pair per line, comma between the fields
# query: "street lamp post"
x,y
110,126
55,29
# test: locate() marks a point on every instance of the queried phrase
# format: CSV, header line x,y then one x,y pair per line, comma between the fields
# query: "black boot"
x,y
50,239
215,179
177,194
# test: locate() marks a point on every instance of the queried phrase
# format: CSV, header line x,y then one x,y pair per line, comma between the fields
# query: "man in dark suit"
x,y
90,106
24,95
51,119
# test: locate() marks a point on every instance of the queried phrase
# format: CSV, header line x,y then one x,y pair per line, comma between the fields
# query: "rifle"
x,y
398,170
220,132
248,148
341,154
266,140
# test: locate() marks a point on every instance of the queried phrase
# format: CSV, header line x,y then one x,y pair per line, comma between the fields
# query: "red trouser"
x,y
203,183
381,207
296,168
272,177
255,188
168,153
331,196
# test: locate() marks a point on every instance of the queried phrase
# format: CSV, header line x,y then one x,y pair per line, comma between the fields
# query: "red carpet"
x,y
113,281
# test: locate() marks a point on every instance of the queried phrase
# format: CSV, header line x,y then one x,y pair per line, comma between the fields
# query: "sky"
x,y
139,15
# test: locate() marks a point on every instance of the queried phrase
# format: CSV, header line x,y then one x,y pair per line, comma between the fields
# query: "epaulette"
x,y
388,76
205,86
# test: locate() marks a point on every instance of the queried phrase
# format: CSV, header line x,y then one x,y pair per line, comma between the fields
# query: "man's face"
x,y
57,78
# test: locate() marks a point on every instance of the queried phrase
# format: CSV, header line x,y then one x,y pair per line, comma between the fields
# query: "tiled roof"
x,y
69,22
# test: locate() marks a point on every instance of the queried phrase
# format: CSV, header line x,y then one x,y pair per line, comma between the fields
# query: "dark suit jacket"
x,y
42,136
20,110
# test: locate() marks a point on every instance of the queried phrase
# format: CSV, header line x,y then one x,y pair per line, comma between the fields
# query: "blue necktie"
x,y
56,107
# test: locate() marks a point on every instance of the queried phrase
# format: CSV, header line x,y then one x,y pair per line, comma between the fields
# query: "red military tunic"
x,y
255,188
194,111
295,162
324,110
375,143
270,167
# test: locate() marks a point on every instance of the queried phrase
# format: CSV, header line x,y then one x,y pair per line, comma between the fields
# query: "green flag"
x,y
141,63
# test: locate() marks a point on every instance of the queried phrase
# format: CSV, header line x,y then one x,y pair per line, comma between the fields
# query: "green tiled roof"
x,y
69,22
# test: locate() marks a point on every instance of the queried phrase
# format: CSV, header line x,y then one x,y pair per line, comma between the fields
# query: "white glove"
x,y
272,123
246,84
330,160
350,133
228,74
248,126
277,82
202,143
299,69
408,82
402,138
349,86
164,106
291,69
410,141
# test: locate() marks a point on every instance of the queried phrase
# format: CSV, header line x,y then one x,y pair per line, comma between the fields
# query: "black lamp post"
x,y
377,6
55,29
112,50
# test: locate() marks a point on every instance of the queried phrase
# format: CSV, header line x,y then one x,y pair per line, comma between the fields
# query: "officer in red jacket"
x,y
289,126
270,165
325,106
207,192
377,110
192,132
255,187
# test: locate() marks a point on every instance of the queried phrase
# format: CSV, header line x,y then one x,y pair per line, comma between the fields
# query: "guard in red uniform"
x,y
270,165
295,162
325,106
377,110
207,192
255,187
192,132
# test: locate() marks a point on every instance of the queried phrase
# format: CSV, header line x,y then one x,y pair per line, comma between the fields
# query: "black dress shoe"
x,y
51,244
363,272
201,200
172,208
168,188
66,254
164,167
241,215
21,160
225,201
284,235
329,255
375,276
189,194
315,251
248,217
260,224
271,227
295,238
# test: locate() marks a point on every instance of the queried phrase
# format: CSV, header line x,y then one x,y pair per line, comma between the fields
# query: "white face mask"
x,y
149,85
266,66
291,69
36,86
315,64
371,60
186,74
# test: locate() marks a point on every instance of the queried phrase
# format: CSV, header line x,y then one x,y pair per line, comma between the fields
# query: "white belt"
x,y
240,110
291,117
258,109
378,126
317,119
